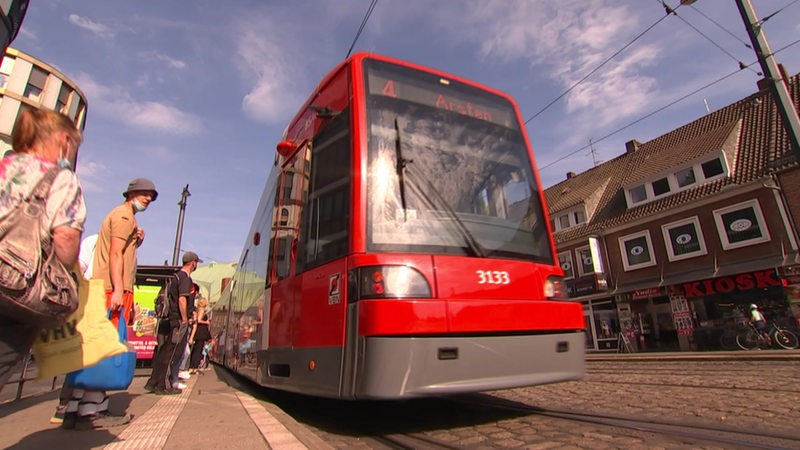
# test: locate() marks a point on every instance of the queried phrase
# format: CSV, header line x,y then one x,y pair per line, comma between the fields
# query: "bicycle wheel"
x,y
785,338
747,340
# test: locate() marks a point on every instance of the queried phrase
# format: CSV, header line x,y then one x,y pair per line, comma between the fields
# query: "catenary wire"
x,y
741,64
721,27
361,27
769,16
595,141
577,83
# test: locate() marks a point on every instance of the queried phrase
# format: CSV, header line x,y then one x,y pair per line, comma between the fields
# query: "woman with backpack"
x,y
43,141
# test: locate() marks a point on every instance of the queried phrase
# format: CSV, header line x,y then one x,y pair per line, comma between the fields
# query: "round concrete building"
x,y
26,82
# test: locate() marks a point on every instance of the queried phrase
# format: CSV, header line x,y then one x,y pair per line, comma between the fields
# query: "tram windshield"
x,y
448,170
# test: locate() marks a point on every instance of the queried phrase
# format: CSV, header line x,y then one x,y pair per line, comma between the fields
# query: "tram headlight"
x,y
389,282
555,288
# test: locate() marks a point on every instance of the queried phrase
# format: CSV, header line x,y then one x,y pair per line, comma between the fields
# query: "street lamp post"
x,y
182,203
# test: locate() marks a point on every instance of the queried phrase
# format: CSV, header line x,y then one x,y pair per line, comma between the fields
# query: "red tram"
x,y
401,247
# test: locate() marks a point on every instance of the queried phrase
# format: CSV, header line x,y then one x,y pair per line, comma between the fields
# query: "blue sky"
x,y
199,92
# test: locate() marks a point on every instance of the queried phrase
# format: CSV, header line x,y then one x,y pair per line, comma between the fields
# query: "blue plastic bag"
x,y
114,373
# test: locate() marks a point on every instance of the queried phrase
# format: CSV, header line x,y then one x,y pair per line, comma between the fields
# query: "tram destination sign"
x,y
447,95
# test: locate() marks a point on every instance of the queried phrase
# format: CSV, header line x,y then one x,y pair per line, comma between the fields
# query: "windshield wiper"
x,y
400,167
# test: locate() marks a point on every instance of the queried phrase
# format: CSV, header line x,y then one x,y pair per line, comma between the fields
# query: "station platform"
x,y
212,412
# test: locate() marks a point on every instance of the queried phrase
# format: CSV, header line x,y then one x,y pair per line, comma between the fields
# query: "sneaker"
x,y
179,385
184,375
169,391
102,419
149,388
58,417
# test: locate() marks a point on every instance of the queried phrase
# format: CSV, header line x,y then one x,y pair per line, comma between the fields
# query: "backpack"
x,y
163,298
35,287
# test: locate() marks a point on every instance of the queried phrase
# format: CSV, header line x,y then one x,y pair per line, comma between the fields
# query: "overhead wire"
x,y
595,141
742,66
769,16
361,27
668,9
738,61
577,83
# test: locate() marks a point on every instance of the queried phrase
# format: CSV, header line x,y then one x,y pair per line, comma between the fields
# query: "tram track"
x,y
754,388
730,436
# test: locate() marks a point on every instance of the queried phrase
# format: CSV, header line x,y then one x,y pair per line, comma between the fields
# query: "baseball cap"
x,y
191,256
141,184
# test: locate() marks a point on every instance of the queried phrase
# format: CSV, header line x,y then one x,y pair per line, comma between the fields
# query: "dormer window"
x,y
637,194
679,180
685,177
570,218
712,168
660,187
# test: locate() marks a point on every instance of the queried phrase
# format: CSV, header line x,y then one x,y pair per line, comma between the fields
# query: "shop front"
x,y
701,315
720,307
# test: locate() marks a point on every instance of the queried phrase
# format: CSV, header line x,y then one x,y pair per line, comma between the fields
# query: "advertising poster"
x,y
142,334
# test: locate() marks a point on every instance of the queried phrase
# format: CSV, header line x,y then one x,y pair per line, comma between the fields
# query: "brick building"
x,y
671,241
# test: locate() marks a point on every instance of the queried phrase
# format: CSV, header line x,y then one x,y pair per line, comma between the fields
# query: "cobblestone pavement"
x,y
751,395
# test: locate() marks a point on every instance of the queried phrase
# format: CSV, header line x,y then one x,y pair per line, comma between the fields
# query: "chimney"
x,y
632,145
570,175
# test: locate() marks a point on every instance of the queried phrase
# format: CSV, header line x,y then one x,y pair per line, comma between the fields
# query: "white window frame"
x,y
570,216
629,196
665,229
625,263
762,225
672,180
580,261
569,261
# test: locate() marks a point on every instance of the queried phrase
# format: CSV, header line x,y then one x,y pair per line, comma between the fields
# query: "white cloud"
x,y
565,41
160,57
117,104
88,172
89,25
264,62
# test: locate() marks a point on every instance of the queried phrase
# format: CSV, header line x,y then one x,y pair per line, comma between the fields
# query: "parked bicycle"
x,y
751,338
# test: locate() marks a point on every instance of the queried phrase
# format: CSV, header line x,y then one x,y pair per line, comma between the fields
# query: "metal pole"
x,y
769,66
182,203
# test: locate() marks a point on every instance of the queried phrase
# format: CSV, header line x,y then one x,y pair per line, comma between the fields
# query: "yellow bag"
x,y
83,340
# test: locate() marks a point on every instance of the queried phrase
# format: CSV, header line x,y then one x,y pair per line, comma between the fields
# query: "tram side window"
x,y
326,217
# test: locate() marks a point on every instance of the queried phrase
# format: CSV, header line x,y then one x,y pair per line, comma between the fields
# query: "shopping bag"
x,y
86,338
111,374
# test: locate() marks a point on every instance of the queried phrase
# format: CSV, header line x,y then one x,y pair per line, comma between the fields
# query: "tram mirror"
x,y
286,148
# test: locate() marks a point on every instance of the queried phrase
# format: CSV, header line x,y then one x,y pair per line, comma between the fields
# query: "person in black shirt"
x,y
159,382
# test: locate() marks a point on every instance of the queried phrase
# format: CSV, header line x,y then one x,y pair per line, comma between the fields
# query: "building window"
x,y
637,194
660,187
63,98
637,251
712,168
684,239
685,177
563,222
6,68
741,225
565,261
579,216
35,84
585,263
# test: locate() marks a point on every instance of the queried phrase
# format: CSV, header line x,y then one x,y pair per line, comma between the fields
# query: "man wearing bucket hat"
x,y
115,263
